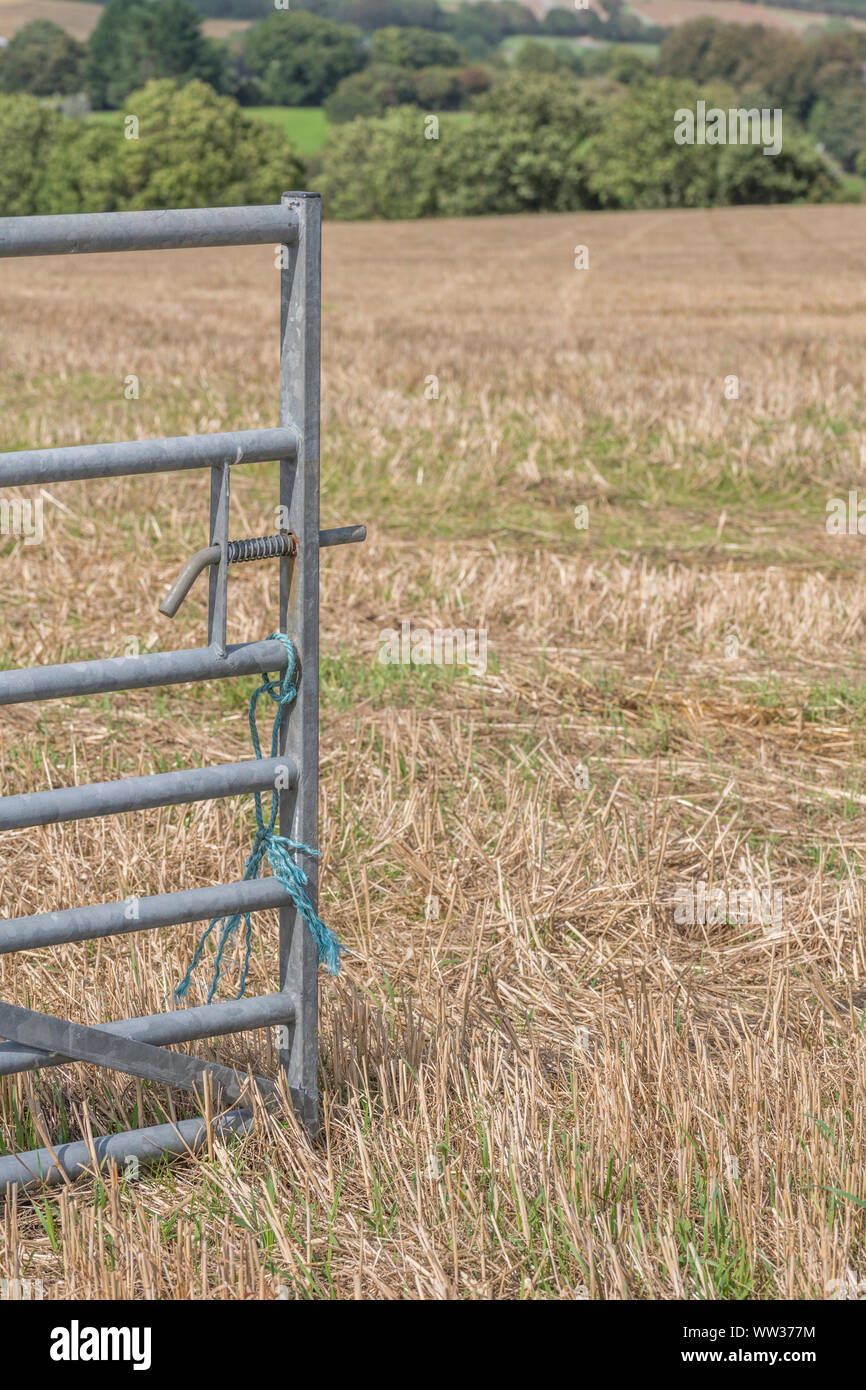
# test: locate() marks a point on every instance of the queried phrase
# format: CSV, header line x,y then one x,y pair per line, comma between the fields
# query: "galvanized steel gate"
x,y
137,1046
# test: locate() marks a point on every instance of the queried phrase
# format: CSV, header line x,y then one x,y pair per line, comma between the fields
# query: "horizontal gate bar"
x,y
46,1167
131,457
145,793
177,1026
139,672
77,233
140,914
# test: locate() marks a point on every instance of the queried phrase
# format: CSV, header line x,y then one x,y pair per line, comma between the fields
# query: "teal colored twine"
x,y
278,848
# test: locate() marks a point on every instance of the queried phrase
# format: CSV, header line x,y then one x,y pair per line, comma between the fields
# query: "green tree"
x,y
381,87
765,67
383,168
494,167
625,66
480,27
136,41
300,58
839,122
533,56
195,148
797,174
523,150
42,59
370,15
27,130
234,9
371,92
83,169
414,48
474,80
633,160
564,23
439,89
540,100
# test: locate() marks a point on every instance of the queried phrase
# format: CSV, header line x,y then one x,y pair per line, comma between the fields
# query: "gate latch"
x,y
255,548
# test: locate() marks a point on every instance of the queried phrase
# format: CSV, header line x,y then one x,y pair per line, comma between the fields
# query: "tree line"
x,y
296,57
560,129
534,142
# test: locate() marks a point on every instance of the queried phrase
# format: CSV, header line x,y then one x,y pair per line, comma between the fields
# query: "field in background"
x,y
76,16
537,1082
511,46
306,127
670,12
80,18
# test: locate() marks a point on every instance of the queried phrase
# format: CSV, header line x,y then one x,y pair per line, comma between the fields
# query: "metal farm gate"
x,y
138,1046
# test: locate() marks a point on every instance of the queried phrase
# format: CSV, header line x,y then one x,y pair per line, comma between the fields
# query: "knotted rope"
x,y
278,848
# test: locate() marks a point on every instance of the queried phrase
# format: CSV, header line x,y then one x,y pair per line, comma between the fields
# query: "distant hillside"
x,y
854,8
775,14
80,17
221,17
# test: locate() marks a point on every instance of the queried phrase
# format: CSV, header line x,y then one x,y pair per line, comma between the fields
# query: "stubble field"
x,y
537,1080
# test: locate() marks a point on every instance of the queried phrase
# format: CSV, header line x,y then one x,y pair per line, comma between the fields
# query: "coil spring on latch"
x,y
262,547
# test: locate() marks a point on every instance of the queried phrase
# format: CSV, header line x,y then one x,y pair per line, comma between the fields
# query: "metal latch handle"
x,y
254,548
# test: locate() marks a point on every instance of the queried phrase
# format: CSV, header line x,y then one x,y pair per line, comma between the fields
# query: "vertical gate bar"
x,y
300,366
217,609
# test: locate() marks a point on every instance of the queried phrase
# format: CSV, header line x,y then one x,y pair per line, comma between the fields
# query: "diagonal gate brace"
x,y
84,1044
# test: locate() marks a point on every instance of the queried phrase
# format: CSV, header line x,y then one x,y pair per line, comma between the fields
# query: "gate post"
x,y
300,368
